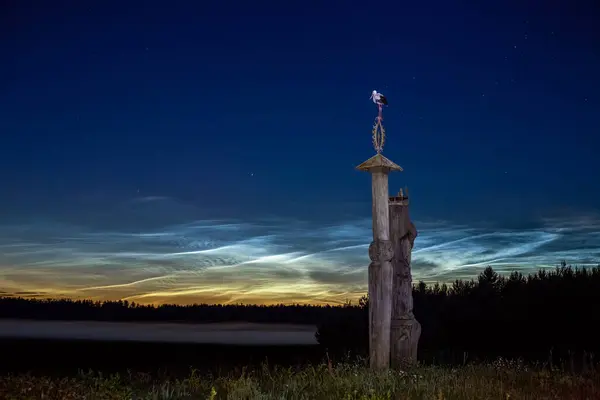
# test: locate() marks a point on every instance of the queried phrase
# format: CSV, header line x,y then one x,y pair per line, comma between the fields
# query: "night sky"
x,y
195,151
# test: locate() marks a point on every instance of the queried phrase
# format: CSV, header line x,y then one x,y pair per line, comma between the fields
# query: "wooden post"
x,y
405,329
380,268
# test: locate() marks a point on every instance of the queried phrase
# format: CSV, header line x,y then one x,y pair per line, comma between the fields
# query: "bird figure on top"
x,y
378,98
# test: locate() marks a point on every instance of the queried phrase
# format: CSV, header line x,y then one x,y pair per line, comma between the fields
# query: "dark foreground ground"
x,y
70,356
500,380
77,369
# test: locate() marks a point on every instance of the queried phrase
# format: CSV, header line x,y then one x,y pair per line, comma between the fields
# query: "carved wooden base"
x,y
405,341
380,303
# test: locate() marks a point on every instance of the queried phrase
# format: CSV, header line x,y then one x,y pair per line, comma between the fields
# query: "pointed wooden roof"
x,y
379,161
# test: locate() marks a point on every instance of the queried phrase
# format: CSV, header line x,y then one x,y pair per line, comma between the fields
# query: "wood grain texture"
x,y
405,329
380,268
381,212
380,303
380,274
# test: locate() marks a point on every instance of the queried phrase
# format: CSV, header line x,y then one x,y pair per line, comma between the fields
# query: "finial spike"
x,y
378,129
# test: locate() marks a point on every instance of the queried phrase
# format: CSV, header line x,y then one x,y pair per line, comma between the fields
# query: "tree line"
x,y
550,313
544,316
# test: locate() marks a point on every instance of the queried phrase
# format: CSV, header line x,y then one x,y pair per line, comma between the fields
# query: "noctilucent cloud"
x,y
205,152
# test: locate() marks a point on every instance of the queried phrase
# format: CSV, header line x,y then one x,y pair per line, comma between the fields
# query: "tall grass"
x,y
498,380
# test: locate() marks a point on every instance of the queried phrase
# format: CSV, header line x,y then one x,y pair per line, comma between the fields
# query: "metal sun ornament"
x,y
378,129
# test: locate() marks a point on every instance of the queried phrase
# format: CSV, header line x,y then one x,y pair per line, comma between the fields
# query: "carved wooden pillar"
x,y
405,329
380,268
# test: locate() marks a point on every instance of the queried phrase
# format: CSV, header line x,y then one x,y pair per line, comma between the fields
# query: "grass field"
x,y
499,380
52,369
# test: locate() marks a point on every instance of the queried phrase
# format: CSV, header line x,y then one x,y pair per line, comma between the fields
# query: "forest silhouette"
x,y
549,315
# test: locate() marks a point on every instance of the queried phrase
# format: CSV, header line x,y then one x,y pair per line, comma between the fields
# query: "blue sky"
x,y
131,136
